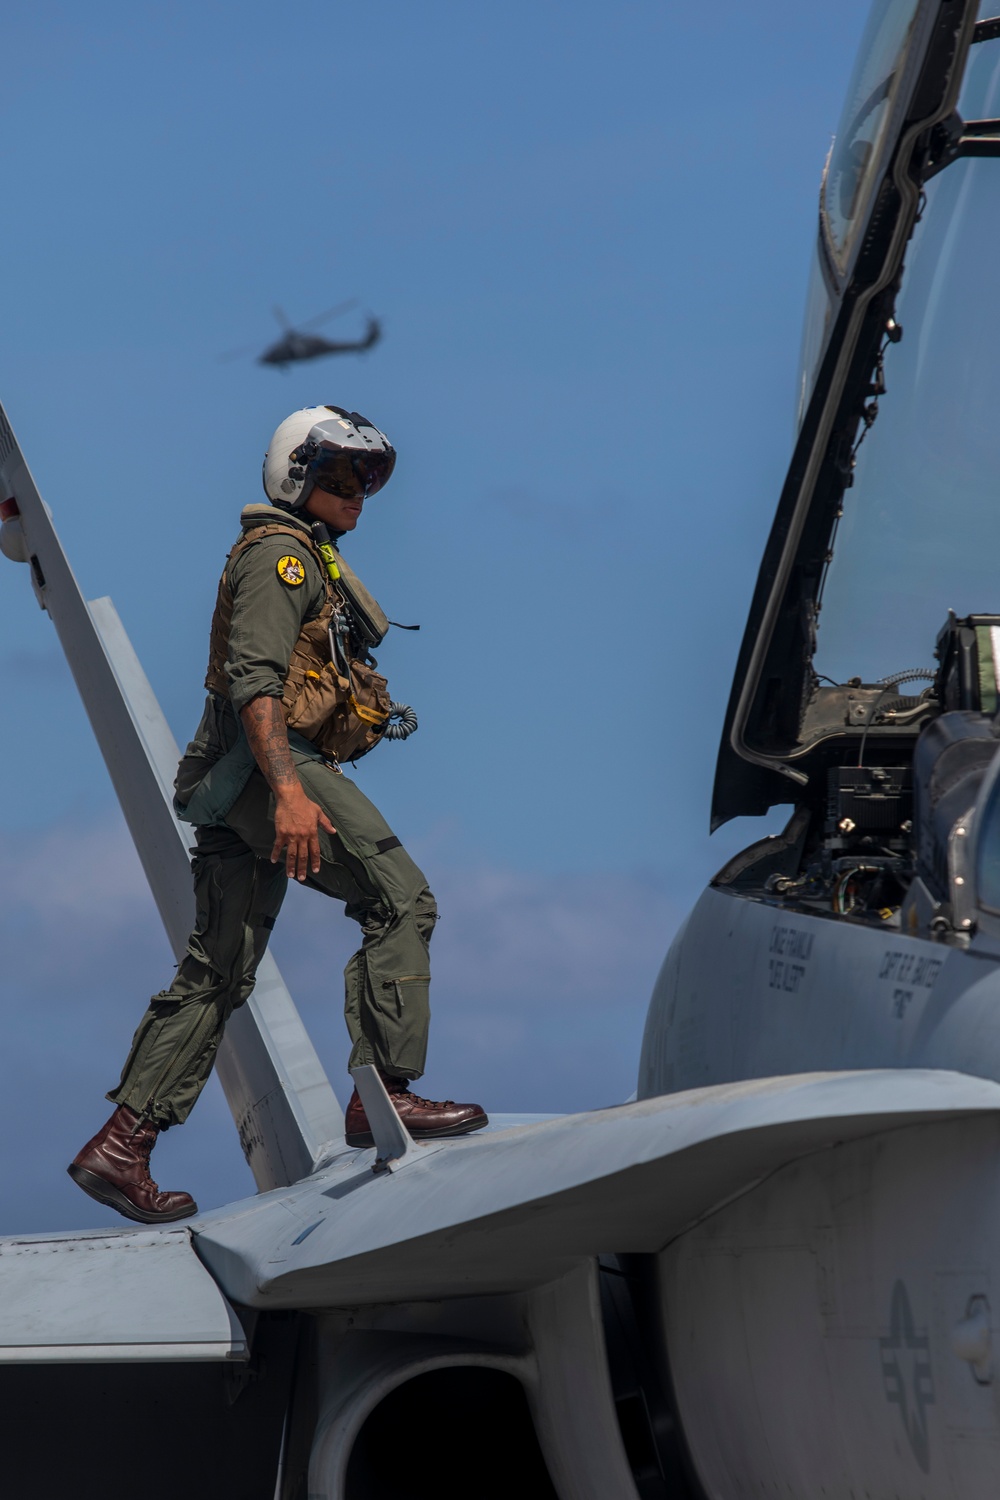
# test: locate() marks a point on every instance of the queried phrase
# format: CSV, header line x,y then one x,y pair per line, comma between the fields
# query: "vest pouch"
x,y
318,695
341,718
370,621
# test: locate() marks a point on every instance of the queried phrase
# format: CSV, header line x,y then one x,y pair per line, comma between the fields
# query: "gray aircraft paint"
x,y
836,1298
128,1297
748,990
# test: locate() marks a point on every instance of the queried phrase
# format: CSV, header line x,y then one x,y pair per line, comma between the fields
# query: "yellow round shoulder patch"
x,y
291,570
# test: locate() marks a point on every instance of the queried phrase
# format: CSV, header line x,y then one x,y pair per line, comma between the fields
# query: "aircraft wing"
x,y
285,1110
518,1208
127,1297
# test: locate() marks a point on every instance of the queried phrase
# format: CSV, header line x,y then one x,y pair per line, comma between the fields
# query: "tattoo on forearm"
x,y
265,728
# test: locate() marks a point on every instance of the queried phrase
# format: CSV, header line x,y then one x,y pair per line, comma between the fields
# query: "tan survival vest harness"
x,y
343,715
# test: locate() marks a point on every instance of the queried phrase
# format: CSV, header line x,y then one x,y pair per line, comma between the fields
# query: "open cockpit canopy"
x,y
890,513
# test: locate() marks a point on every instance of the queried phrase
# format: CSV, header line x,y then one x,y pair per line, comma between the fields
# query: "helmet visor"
x,y
349,475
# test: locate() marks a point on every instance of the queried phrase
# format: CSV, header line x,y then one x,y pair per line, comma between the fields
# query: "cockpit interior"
x,y
867,688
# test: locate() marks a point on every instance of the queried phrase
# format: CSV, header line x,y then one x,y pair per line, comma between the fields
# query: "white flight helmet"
x,y
327,448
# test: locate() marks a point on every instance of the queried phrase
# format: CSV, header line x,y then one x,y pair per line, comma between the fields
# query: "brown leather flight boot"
x,y
114,1169
425,1119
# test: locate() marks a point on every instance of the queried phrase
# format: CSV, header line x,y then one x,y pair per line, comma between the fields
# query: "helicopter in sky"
x,y
297,344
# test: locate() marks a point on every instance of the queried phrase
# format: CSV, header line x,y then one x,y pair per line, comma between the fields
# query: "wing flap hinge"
x,y
394,1145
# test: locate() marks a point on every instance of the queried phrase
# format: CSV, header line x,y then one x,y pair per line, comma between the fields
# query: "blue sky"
x,y
586,230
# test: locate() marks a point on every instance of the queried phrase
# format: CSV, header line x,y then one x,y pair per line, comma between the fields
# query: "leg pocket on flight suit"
x,y
269,893
404,1014
204,944
237,900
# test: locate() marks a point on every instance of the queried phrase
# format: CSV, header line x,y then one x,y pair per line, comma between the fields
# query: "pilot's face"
x,y
339,514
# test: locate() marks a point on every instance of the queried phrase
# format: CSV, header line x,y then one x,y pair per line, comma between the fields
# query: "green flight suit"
x,y
238,891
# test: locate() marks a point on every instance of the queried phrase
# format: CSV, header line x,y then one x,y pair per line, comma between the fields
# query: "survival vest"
x,y
332,694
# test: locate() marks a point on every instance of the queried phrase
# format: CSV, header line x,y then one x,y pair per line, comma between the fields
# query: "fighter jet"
x,y
776,1271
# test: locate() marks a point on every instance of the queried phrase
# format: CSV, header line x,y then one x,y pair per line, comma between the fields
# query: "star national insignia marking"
x,y
292,571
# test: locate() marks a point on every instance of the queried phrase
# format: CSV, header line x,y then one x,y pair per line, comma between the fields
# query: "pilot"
x,y
292,691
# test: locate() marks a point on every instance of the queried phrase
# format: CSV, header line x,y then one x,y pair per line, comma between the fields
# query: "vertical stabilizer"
x,y
285,1110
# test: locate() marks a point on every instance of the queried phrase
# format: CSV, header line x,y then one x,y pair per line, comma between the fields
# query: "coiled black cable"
x,y
402,722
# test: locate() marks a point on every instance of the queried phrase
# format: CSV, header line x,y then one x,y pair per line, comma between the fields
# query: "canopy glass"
x,y
865,119
920,532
